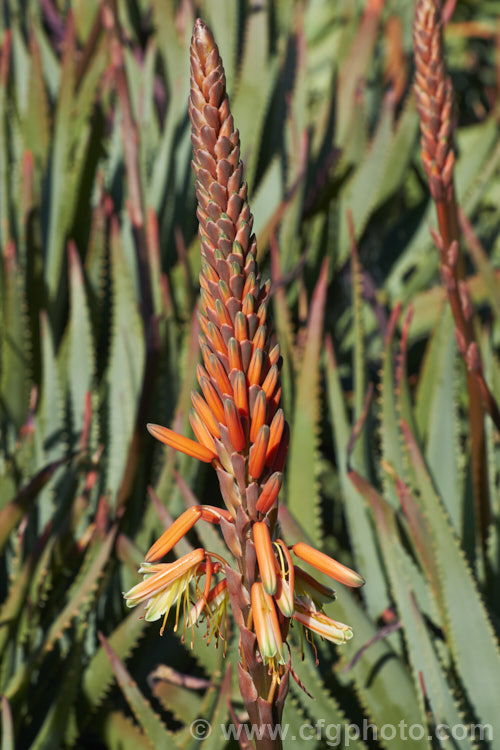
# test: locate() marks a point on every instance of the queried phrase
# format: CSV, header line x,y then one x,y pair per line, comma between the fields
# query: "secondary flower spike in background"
x,y
240,429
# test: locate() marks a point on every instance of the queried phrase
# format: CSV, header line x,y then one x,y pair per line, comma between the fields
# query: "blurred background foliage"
x,y
98,291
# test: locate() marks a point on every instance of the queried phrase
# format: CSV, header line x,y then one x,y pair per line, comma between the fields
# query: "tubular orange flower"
x,y
324,626
266,626
265,556
181,443
327,565
174,534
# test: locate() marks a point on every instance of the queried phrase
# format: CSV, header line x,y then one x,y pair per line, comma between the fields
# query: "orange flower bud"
x,y
258,415
265,556
211,395
174,533
233,422
205,413
327,565
201,431
181,443
270,381
241,394
269,492
234,355
257,457
276,432
217,371
211,514
255,367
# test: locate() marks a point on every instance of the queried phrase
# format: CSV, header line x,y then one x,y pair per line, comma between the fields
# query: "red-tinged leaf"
x,y
7,726
14,510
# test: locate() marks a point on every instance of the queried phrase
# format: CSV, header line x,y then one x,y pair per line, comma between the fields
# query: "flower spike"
x,y
240,429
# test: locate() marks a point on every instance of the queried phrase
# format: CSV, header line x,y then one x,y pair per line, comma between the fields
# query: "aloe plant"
x,y
390,381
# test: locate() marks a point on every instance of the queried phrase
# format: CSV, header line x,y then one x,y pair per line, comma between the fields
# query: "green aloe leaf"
x,y
150,722
98,675
302,480
126,366
80,356
361,192
323,707
437,419
255,84
366,553
375,670
79,598
120,733
454,575
427,670
15,362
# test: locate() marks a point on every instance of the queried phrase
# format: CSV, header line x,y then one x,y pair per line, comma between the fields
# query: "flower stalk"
x,y
434,94
241,430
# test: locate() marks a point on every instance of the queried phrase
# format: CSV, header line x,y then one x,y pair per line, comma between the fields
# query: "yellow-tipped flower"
x,y
327,565
164,585
319,623
285,588
265,556
267,630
